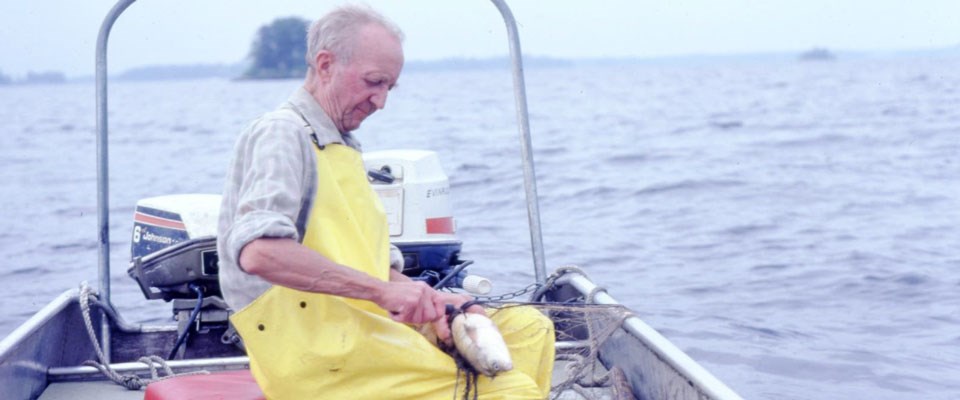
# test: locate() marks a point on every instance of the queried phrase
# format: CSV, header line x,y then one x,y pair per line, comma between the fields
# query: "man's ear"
x,y
324,62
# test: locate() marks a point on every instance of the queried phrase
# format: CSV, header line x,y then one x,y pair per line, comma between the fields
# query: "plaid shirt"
x,y
270,187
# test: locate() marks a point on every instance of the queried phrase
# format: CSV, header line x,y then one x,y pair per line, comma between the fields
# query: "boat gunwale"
x,y
74,373
699,377
37,321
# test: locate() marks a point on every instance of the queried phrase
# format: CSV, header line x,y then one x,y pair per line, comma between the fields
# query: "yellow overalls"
x,y
306,345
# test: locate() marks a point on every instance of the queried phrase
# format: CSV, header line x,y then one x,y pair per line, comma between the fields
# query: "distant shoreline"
x,y
235,71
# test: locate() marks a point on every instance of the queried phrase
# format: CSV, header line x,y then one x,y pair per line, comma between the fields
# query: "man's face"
x,y
359,87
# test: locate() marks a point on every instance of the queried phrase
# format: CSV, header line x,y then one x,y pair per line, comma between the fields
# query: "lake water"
x,y
794,227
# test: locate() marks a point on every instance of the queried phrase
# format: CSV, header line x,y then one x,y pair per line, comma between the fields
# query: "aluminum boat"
x,y
48,357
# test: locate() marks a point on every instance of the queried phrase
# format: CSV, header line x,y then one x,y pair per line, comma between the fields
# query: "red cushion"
x,y
228,385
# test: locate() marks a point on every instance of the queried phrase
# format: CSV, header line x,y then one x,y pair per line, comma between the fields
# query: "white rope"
x,y
131,381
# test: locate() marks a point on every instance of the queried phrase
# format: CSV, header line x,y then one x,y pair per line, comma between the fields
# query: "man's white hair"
x,y
337,31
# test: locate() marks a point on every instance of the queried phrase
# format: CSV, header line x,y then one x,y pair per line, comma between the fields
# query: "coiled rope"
x,y
130,381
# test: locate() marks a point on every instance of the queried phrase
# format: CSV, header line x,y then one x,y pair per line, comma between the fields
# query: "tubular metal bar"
x,y
571,345
81,372
669,352
103,190
529,175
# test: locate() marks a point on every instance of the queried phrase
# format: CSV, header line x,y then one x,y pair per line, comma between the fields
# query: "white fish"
x,y
480,343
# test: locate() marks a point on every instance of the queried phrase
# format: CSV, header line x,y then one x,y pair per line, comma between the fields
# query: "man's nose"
x,y
379,98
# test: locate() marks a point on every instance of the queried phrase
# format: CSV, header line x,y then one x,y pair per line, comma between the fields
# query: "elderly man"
x,y
305,254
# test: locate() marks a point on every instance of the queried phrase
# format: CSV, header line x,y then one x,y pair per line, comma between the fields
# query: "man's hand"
x,y
410,302
440,325
423,293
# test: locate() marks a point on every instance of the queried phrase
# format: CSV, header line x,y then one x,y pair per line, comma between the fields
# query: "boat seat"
x,y
228,385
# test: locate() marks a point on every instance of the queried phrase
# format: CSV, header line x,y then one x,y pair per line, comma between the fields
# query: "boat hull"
x,y
51,347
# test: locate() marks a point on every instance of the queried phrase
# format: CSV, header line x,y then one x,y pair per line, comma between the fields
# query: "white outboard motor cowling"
x,y
415,193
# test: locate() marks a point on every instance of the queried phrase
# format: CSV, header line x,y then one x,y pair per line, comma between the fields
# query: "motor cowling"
x,y
415,194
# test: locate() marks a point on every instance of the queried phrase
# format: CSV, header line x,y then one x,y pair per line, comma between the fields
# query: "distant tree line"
x,y
278,50
34,77
191,71
45,77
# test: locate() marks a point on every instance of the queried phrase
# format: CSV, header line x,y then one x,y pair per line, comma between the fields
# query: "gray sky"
x,y
59,35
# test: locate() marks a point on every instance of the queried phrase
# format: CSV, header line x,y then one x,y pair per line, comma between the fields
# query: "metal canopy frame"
x,y
103,171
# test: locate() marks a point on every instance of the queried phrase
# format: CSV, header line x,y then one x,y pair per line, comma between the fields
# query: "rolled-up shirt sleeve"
x,y
267,186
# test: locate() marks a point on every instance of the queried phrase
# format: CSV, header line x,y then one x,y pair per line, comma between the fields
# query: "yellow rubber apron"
x,y
306,345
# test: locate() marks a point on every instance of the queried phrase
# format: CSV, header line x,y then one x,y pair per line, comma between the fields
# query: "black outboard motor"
x,y
174,257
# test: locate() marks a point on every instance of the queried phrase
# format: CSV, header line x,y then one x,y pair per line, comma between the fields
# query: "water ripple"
x,y
686,186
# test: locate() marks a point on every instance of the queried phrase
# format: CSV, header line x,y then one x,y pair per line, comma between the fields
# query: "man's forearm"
x,y
397,276
287,263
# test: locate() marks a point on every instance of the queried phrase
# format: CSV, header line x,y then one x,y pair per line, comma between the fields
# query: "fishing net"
x,y
582,330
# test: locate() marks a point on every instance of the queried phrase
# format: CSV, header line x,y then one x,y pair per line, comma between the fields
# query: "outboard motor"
x,y
174,257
